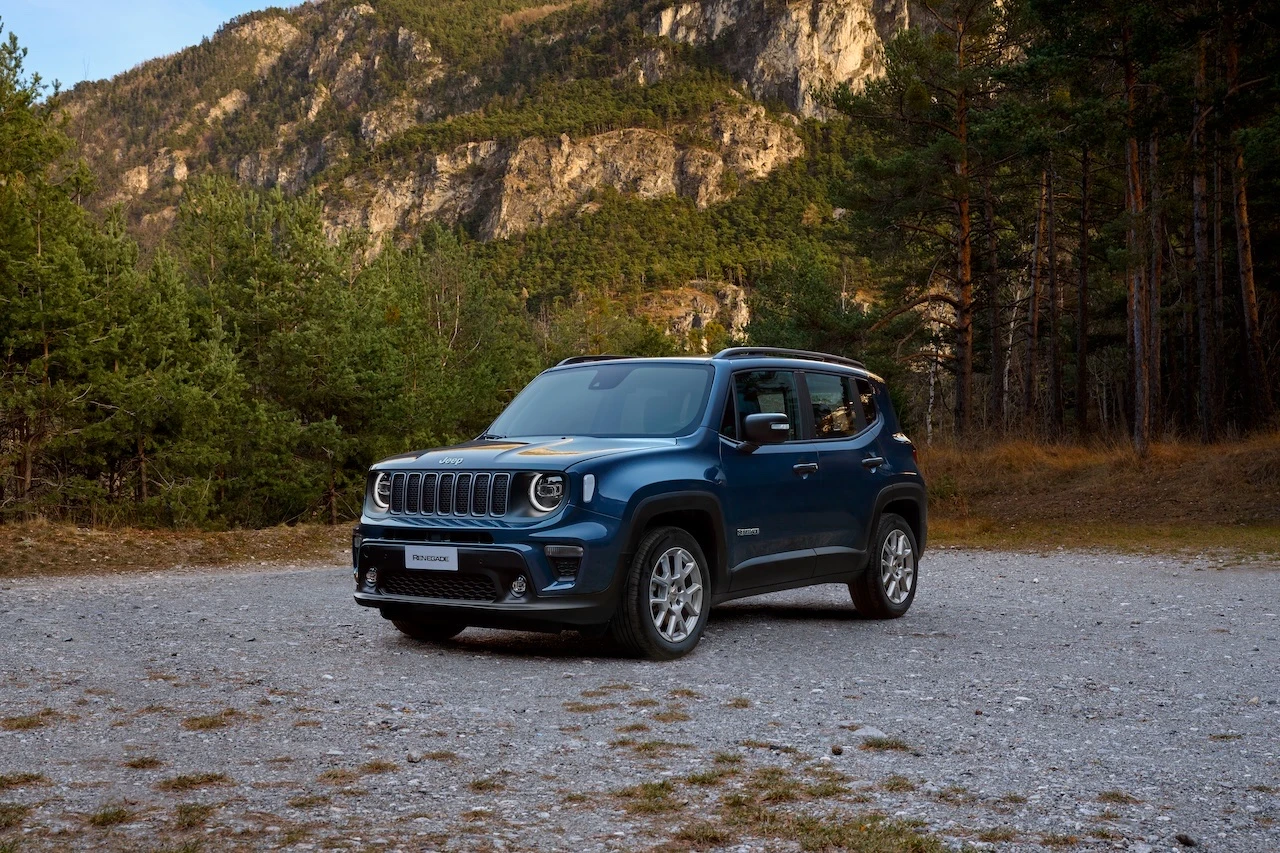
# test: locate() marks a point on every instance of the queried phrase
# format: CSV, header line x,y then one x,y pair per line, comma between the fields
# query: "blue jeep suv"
x,y
629,495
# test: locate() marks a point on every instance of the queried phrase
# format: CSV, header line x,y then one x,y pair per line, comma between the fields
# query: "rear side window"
x,y
772,391
867,395
836,409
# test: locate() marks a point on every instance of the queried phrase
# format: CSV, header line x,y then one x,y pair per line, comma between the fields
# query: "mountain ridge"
x,y
506,116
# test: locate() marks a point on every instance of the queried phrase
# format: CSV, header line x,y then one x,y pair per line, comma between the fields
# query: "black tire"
x,y
873,592
634,624
428,632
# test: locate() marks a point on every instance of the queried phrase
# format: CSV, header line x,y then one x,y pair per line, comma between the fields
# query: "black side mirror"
x,y
766,428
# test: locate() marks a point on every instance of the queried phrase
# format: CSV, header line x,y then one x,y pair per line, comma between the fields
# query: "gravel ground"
x,y
1066,700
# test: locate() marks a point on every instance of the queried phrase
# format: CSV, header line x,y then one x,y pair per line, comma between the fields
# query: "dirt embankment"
x,y
1183,496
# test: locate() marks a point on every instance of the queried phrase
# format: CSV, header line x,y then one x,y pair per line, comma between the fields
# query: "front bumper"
x,y
480,591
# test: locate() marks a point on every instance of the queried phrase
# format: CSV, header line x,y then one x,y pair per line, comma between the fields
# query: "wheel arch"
x,y
698,513
909,501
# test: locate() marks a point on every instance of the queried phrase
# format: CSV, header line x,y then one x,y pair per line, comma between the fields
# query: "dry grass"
x,y
521,18
884,744
897,784
12,814
43,548
1118,798
588,707
649,798
143,762
220,720
192,815
738,702
192,781
21,780
29,721
996,834
1026,495
672,715
485,784
108,816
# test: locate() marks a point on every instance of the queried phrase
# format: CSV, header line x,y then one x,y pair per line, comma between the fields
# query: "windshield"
x,y
610,399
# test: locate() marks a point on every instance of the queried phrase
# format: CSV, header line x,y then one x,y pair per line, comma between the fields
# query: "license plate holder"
x,y
431,558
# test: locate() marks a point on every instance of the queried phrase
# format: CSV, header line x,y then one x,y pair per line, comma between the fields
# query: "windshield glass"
x,y
610,399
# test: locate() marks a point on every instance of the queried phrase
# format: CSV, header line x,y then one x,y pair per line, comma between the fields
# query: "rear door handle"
x,y
873,462
804,469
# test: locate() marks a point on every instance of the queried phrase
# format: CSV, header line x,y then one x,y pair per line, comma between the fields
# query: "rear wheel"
x,y
428,632
887,587
666,597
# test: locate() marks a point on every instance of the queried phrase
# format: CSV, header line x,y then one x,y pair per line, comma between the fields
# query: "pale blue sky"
x,y
74,40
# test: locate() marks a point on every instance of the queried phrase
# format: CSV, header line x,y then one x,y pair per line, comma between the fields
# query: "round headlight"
x,y
546,491
382,491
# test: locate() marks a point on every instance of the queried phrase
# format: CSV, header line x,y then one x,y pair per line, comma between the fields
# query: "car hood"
x,y
541,454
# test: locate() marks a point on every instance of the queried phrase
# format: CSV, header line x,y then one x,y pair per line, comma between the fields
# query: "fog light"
x,y
564,559
519,585
371,576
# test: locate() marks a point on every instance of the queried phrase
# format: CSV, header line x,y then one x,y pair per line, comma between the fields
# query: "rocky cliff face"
x,y
790,51
515,187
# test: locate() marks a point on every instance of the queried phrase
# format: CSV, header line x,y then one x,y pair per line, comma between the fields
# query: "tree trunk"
x,y
993,309
1055,361
1033,309
1155,250
1259,390
1138,314
1082,303
1206,323
964,380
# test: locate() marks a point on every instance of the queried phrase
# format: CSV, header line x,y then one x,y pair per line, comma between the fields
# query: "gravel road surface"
x,y
1061,701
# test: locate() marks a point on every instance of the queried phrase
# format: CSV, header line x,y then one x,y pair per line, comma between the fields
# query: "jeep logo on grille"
x,y
449,460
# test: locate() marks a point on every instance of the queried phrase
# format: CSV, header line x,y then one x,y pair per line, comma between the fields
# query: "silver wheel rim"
x,y
675,594
897,567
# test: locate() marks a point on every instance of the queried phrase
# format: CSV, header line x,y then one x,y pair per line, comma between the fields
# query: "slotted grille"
x,y
413,494
397,493
462,495
439,493
428,493
455,587
444,505
480,495
501,485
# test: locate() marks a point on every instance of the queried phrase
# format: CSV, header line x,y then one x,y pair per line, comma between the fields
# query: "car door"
x,y
771,490
850,467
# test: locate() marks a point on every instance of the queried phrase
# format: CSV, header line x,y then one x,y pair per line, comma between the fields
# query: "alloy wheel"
x,y
897,566
675,594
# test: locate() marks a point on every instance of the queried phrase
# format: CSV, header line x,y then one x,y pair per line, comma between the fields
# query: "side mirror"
x,y
766,428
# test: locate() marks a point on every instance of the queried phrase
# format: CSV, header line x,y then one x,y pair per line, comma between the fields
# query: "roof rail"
x,y
780,352
583,359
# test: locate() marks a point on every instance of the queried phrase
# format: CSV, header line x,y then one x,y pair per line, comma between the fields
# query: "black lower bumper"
x,y
534,614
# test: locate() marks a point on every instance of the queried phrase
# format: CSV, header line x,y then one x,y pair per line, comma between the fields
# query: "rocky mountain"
x,y
500,115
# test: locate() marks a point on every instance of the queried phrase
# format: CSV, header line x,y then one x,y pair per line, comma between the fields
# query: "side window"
x,y
835,408
868,398
767,391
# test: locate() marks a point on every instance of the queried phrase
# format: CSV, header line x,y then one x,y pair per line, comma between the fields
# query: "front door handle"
x,y
873,462
804,469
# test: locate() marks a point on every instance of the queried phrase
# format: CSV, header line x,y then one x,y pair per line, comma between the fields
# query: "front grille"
x,y
454,587
435,493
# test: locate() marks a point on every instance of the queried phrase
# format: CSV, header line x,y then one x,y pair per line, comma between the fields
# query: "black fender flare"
x,y
909,491
684,501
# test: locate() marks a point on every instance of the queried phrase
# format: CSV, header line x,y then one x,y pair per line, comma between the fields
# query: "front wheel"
x,y
428,632
666,597
887,586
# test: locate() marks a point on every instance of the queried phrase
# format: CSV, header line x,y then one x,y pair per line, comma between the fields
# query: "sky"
x,y
74,40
